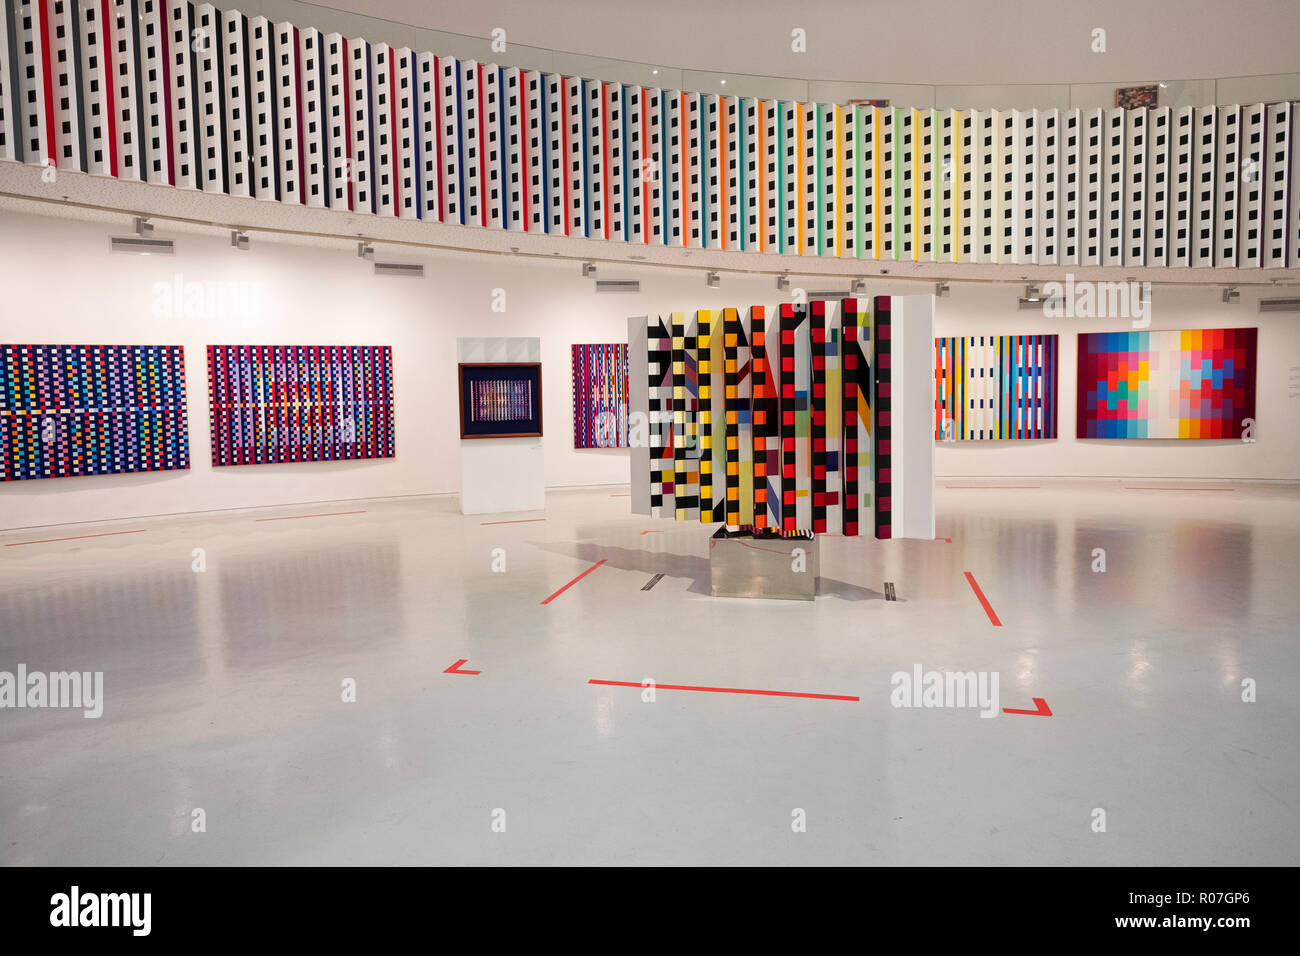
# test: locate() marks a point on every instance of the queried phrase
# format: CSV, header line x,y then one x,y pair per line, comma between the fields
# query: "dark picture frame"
x,y
469,373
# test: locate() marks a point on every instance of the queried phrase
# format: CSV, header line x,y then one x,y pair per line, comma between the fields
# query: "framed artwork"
x,y
291,403
995,387
1133,97
77,410
600,396
1189,383
500,399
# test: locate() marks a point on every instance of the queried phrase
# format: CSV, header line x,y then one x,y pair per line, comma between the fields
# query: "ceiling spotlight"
x,y
724,82
143,227
1230,295
1033,293
782,283
859,287
589,270
655,72
711,280
239,240
365,251
941,289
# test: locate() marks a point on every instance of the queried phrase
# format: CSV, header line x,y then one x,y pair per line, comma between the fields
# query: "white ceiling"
x,y
915,41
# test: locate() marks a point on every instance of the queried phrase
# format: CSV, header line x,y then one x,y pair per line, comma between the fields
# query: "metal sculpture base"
x,y
745,564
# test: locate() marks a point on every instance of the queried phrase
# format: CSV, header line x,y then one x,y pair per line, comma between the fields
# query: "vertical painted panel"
x,y
515,175
1228,186
1114,149
1093,132
427,84
1047,241
1181,166
1277,163
493,147
408,176
208,81
1205,187
262,112
1071,186
323,88
1135,171
1159,175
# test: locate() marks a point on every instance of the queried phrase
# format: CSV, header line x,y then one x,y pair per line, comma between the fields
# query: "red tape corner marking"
x,y
455,668
723,690
988,608
575,581
1042,711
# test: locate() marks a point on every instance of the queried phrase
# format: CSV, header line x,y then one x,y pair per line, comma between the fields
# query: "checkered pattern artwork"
x,y
286,403
990,387
600,396
659,417
71,410
855,336
791,419
1193,383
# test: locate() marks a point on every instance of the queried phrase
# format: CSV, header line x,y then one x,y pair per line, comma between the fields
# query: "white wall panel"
x,y
1228,186
1277,163
1114,150
262,133
1204,186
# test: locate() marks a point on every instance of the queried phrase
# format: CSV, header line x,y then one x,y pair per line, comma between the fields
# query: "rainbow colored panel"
x,y
995,387
73,410
286,403
1191,383
600,396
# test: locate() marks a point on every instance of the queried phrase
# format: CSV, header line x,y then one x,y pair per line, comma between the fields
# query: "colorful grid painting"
x,y
1197,383
286,403
600,396
990,387
71,410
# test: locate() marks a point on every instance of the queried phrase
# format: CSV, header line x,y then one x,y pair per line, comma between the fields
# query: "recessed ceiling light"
x,y
724,82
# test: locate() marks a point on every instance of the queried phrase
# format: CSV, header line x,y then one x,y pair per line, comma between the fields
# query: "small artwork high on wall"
x,y
600,396
500,400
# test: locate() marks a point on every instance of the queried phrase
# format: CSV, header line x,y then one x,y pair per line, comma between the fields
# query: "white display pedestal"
x,y
499,475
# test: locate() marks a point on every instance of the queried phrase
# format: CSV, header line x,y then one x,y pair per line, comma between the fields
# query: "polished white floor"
x,y
223,688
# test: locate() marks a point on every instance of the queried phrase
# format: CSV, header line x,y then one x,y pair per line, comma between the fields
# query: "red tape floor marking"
x,y
455,668
518,521
1042,709
575,581
1127,488
106,534
329,514
993,486
724,690
988,608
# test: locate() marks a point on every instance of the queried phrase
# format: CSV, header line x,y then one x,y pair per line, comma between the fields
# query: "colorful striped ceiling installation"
x,y
809,417
991,387
192,96
69,410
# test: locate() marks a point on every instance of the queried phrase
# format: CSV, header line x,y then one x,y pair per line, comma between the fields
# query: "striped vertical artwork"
x,y
882,453
786,379
995,387
794,419
74,410
195,97
288,403
732,409
686,451
600,396
659,342
763,414
855,326
817,416
711,415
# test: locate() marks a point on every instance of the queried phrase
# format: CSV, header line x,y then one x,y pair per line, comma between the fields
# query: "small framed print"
x,y
500,399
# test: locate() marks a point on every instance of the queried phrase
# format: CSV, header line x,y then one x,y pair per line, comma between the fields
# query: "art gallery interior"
x,y
540,434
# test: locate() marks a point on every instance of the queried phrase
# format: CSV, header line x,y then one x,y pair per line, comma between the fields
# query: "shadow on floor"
x,y
686,566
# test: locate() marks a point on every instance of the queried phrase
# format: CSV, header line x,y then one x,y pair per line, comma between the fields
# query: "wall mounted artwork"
x,y
500,400
811,417
291,403
995,387
470,143
73,410
600,396
1193,383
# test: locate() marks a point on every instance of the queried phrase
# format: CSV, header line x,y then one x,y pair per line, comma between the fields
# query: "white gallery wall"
x,y
60,284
